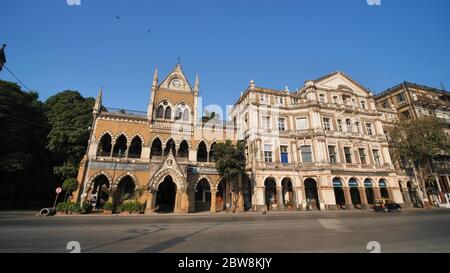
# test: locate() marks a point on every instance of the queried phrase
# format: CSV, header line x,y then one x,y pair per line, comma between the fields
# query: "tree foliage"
x,y
230,159
420,140
70,116
24,162
70,184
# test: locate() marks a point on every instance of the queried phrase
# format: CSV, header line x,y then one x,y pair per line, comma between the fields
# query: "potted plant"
x,y
289,205
108,208
131,207
61,208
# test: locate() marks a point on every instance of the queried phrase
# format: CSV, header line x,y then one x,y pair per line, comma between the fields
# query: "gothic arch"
x,y
207,178
117,181
159,177
105,133
92,178
140,136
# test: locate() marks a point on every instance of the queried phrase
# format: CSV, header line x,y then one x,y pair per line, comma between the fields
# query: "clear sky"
x,y
53,46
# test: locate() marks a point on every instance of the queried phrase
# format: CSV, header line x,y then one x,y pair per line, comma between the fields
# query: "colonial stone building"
x,y
321,147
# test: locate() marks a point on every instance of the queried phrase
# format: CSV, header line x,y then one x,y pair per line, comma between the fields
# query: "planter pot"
x,y
60,213
108,212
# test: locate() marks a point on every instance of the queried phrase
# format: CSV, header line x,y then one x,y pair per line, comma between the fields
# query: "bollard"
x,y
47,212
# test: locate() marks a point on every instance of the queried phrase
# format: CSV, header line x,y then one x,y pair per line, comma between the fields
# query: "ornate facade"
x,y
322,147
164,153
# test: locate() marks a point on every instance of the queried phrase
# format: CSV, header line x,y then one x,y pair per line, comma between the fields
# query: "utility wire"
x,y
17,78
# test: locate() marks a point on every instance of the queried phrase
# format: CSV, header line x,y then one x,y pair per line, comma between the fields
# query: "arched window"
x,y
170,146
168,113
120,148
156,149
212,156
183,152
104,146
202,153
135,148
186,115
178,113
160,112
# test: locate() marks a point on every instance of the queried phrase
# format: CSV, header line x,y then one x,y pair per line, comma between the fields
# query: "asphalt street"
x,y
408,231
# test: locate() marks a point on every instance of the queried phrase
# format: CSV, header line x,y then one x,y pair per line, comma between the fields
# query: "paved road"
x,y
409,231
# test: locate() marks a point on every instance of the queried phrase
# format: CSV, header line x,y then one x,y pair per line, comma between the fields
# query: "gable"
x,y
339,81
176,80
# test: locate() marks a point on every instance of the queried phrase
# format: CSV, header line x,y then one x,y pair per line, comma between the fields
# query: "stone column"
x,y
280,204
364,202
213,200
348,199
376,191
406,197
151,202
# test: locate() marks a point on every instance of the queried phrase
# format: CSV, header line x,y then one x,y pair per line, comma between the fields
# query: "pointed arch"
x,y
183,151
212,152
156,148
170,146
202,152
120,147
168,113
160,112
135,149
104,145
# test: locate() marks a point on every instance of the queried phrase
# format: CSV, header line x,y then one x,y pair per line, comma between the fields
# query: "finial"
x,y
197,83
155,78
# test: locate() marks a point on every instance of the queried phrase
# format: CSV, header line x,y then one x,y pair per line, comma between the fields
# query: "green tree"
x,y
419,142
70,116
230,163
69,185
25,165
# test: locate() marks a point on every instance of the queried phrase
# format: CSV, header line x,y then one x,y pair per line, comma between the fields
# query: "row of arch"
x,y
203,153
122,148
101,191
354,197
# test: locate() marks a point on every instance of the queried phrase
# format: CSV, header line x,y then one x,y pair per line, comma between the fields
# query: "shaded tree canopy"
x,y
70,116
420,140
25,165
230,159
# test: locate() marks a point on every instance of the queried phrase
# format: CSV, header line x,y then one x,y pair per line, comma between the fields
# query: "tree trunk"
x,y
423,187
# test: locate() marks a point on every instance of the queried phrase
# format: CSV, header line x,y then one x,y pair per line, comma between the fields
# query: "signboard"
x,y
337,183
353,183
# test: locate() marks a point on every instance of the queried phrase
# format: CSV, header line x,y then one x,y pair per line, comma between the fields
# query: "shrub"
x,y
131,206
289,204
69,207
108,206
62,207
86,208
70,185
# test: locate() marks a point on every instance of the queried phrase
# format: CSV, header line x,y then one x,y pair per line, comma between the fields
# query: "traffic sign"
x,y
58,190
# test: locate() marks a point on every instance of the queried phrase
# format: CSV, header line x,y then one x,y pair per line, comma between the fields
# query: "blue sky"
x,y
53,46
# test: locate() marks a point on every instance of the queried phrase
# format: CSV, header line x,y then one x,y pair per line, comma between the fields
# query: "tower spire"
x,y
155,78
197,84
98,101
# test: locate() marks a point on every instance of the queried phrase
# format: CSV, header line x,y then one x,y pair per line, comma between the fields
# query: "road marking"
x,y
333,224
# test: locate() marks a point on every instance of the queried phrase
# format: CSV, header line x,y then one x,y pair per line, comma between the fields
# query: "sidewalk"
x,y
245,214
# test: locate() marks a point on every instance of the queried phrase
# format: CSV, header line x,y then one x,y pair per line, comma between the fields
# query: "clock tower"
x,y
173,99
